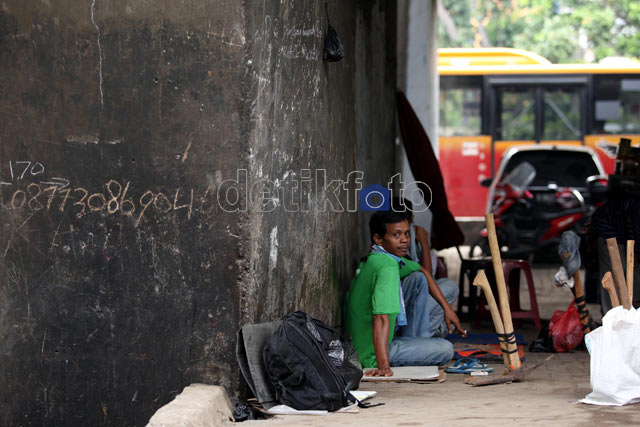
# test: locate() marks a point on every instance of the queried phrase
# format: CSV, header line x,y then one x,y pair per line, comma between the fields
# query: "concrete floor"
x,y
549,395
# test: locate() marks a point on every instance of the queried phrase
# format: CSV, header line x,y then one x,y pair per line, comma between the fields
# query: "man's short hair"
x,y
404,206
380,219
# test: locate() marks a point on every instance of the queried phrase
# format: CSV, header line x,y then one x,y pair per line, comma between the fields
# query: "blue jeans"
x,y
418,343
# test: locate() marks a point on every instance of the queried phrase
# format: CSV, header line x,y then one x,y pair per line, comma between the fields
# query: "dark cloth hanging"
x,y
619,218
445,231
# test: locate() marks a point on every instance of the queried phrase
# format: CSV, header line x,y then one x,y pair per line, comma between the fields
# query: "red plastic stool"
x,y
512,268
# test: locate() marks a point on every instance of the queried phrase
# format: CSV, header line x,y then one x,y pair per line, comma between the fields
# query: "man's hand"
x,y
380,372
452,321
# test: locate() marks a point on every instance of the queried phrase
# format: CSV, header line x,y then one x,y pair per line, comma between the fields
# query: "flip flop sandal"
x,y
468,365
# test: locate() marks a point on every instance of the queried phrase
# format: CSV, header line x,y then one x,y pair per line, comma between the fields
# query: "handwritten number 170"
x,y
19,169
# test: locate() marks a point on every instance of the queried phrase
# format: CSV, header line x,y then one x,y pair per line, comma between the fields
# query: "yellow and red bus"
x,y
495,98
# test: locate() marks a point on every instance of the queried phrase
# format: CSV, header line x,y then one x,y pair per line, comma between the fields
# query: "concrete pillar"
x,y
158,189
421,85
418,78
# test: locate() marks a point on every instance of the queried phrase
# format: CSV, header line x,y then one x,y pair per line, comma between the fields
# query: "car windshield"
x,y
564,168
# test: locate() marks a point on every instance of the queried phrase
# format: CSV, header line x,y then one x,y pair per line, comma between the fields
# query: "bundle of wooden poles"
x,y
622,291
513,369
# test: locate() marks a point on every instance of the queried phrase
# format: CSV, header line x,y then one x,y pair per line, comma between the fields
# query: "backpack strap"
x,y
352,399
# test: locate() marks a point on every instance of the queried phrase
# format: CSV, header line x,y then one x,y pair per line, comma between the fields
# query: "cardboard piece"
x,y
419,374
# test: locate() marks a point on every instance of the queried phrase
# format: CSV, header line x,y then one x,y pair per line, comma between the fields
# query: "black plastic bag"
x,y
333,49
543,343
245,412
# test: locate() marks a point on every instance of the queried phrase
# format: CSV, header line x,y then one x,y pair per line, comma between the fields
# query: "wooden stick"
x,y
512,347
516,376
630,266
482,282
607,283
583,312
618,273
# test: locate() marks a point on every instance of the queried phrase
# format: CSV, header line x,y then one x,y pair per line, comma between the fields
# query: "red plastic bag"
x,y
565,329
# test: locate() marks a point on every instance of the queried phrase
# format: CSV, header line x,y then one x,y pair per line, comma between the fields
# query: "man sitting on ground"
x,y
420,251
388,287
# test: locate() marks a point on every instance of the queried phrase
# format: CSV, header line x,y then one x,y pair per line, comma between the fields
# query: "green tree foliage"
x,y
560,30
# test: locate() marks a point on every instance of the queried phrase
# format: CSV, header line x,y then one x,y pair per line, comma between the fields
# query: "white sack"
x,y
615,359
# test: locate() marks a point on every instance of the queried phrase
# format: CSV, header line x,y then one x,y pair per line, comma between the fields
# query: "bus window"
x,y
617,105
460,100
517,114
561,114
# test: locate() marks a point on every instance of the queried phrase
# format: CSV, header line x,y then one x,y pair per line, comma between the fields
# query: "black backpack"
x,y
309,366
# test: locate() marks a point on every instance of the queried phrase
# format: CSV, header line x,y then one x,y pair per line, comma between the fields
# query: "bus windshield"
x,y
493,99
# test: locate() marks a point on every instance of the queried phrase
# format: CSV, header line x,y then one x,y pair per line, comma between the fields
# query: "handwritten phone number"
x,y
116,199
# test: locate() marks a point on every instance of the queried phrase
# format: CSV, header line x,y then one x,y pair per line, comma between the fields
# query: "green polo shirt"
x,y
374,290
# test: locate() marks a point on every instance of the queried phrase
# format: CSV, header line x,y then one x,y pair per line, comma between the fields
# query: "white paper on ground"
x,y
351,409
288,410
361,395
406,373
